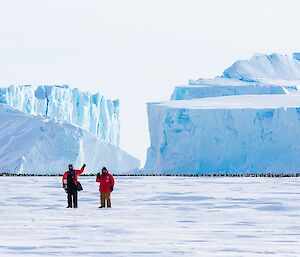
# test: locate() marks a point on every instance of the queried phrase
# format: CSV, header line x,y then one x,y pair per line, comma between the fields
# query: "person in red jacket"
x,y
69,181
106,186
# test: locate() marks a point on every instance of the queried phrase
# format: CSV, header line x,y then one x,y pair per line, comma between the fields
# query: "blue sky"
x,y
137,51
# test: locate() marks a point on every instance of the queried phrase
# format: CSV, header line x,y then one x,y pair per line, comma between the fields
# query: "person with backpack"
x,y
106,186
71,185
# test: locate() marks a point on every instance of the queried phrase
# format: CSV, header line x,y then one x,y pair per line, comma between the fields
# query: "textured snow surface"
x,y
33,144
152,216
91,112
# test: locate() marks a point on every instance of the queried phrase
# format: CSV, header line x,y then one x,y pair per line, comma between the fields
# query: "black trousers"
x,y
72,199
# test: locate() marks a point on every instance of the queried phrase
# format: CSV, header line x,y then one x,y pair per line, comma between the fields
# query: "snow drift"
x,y
246,121
41,145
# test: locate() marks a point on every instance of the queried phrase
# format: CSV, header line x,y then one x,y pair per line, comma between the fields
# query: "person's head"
x,y
70,167
104,170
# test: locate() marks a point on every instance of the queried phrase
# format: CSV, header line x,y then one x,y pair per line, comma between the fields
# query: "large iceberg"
x,y
245,121
41,145
46,127
91,112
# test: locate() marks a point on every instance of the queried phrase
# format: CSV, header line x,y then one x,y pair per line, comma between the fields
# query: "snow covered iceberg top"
x,y
262,67
91,112
263,101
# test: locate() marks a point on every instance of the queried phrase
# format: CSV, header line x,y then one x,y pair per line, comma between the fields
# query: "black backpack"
x,y
79,186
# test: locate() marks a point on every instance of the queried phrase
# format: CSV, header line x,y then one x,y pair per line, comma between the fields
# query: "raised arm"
x,y
78,172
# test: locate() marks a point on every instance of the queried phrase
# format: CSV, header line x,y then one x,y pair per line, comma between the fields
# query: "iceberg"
x,y
91,112
33,144
245,121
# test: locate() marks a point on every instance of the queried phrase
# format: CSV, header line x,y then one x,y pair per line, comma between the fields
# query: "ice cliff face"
x,y
246,121
91,112
245,134
41,145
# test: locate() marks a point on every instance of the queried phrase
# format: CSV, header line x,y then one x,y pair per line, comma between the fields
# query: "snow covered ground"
x,y
152,216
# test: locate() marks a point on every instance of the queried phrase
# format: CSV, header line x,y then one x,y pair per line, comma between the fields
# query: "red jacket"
x,y
77,172
106,182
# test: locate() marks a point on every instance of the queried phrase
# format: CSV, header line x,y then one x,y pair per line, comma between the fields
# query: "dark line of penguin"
x,y
277,175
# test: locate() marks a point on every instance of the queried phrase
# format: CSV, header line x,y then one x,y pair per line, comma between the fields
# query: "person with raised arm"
x,y
71,185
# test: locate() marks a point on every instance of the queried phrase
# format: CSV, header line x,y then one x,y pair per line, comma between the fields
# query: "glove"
x,y
83,166
65,188
98,175
111,188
